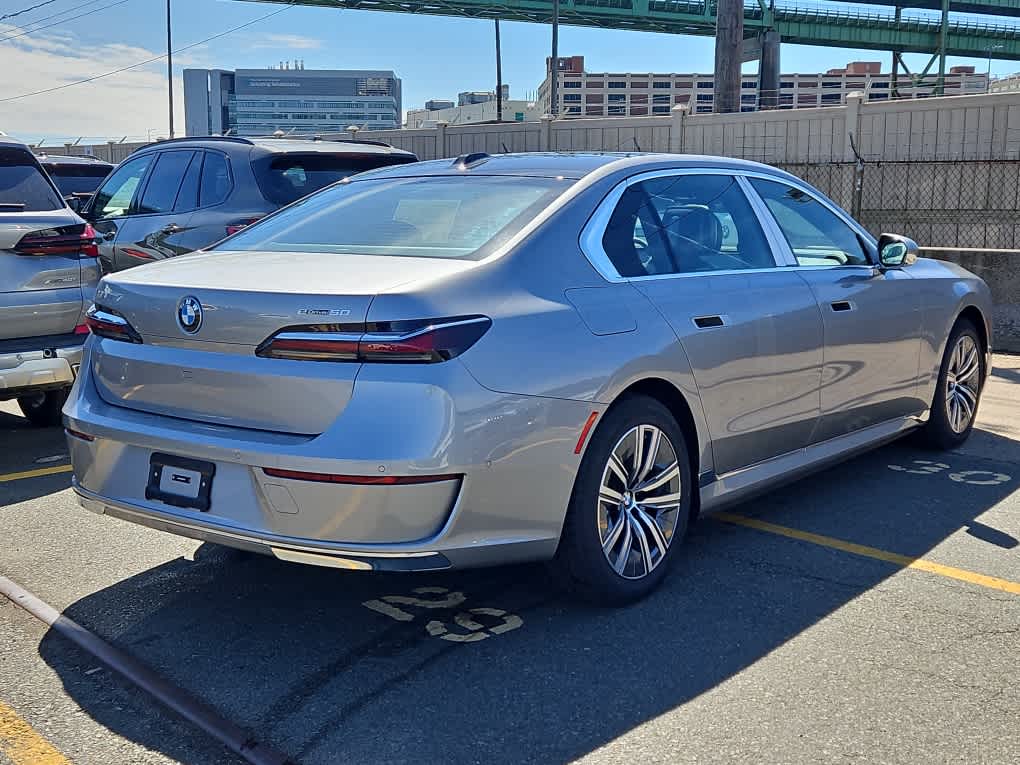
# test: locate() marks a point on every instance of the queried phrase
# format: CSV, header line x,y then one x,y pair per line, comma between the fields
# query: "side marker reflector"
x,y
585,431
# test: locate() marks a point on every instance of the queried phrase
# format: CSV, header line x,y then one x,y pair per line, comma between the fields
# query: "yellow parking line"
x,y
22,745
991,582
35,473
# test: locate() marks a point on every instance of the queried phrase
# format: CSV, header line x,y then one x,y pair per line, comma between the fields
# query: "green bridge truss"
x,y
877,30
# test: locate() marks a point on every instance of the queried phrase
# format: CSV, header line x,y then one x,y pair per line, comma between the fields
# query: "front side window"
x,y
114,197
685,224
424,217
817,236
164,183
23,187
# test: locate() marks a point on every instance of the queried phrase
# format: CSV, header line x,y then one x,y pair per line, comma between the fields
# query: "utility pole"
x,y
169,69
554,65
499,78
729,42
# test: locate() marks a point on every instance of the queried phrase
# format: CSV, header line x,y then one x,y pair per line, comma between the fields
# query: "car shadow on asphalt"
x,y
25,447
333,666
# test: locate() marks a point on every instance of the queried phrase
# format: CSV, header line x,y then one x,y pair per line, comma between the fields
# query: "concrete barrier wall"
x,y
1001,270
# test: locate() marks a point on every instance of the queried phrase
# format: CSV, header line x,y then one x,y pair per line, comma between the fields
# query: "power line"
x,y
149,60
26,10
39,20
61,21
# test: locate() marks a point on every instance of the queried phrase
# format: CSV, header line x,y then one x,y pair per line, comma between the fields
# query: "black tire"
x,y
580,564
939,432
43,408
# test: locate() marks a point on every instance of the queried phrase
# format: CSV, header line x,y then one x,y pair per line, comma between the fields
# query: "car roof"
x,y
50,159
574,165
282,145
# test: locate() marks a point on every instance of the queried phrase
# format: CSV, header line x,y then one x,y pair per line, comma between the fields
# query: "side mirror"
x,y
895,251
73,202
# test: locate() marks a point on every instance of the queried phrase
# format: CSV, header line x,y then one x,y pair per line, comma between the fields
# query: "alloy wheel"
x,y
639,501
962,383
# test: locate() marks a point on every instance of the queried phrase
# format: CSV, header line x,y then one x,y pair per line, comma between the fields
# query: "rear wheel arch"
x,y
674,400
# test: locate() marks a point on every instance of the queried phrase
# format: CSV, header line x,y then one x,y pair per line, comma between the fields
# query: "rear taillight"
x,y
233,228
81,329
105,322
79,239
420,342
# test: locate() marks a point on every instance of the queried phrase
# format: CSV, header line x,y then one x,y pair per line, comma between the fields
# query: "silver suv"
x,y
49,269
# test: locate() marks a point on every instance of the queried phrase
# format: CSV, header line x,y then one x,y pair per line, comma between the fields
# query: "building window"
x,y
660,98
617,97
704,110
706,85
786,99
642,84
617,84
809,83
879,84
704,97
878,96
747,108
808,99
639,111
786,84
594,98
832,98
682,99
596,83
681,84
572,110
749,84
639,98
594,111
572,84
662,85
832,83
660,110
617,110
748,99
571,98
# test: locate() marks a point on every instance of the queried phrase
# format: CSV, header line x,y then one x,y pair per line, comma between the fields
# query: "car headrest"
x,y
696,224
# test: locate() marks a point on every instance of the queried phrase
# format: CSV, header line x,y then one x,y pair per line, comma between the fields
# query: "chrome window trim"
x,y
594,230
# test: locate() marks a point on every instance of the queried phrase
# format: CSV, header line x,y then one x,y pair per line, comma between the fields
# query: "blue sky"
x,y
435,56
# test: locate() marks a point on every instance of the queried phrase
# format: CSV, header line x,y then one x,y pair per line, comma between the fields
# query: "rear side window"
x,y
164,183
23,187
78,179
428,217
216,181
287,178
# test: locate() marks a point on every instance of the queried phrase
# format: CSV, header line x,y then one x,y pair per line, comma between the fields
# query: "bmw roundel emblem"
x,y
189,314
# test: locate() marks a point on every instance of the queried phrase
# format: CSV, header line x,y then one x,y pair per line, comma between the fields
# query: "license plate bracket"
x,y
180,481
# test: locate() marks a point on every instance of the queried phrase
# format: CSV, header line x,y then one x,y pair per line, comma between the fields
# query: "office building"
x,y
295,100
608,94
468,97
438,103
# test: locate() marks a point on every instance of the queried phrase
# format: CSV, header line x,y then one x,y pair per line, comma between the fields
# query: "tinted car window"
x,y
114,197
216,182
685,224
77,179
286,179
23,185
164,182
440,217
817,236
187,197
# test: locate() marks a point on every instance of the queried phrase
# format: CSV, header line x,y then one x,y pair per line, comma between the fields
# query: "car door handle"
x,y
707,322
170,228
842,305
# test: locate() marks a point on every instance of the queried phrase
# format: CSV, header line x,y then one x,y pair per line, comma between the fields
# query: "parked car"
x,y
48,274
181,195
513,358
76,177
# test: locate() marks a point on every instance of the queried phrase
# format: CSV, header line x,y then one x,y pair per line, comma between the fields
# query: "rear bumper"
x,y
44,369
512,457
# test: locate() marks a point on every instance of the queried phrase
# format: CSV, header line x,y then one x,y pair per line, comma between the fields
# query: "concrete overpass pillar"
x,y
729,43
768,70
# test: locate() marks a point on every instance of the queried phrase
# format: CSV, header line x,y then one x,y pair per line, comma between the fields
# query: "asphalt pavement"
x,y
870,613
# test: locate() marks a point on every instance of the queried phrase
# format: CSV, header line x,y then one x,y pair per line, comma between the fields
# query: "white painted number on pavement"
x,y
972,477
468,629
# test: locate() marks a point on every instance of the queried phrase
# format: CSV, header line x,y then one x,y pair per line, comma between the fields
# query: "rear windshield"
x,y
78,179
436,217
23,187
287,178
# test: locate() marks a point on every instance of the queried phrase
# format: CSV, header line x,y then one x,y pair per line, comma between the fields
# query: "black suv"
x,y
180,195
76,177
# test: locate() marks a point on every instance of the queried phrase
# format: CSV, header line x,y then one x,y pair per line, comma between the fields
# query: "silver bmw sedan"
x,y
559,357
